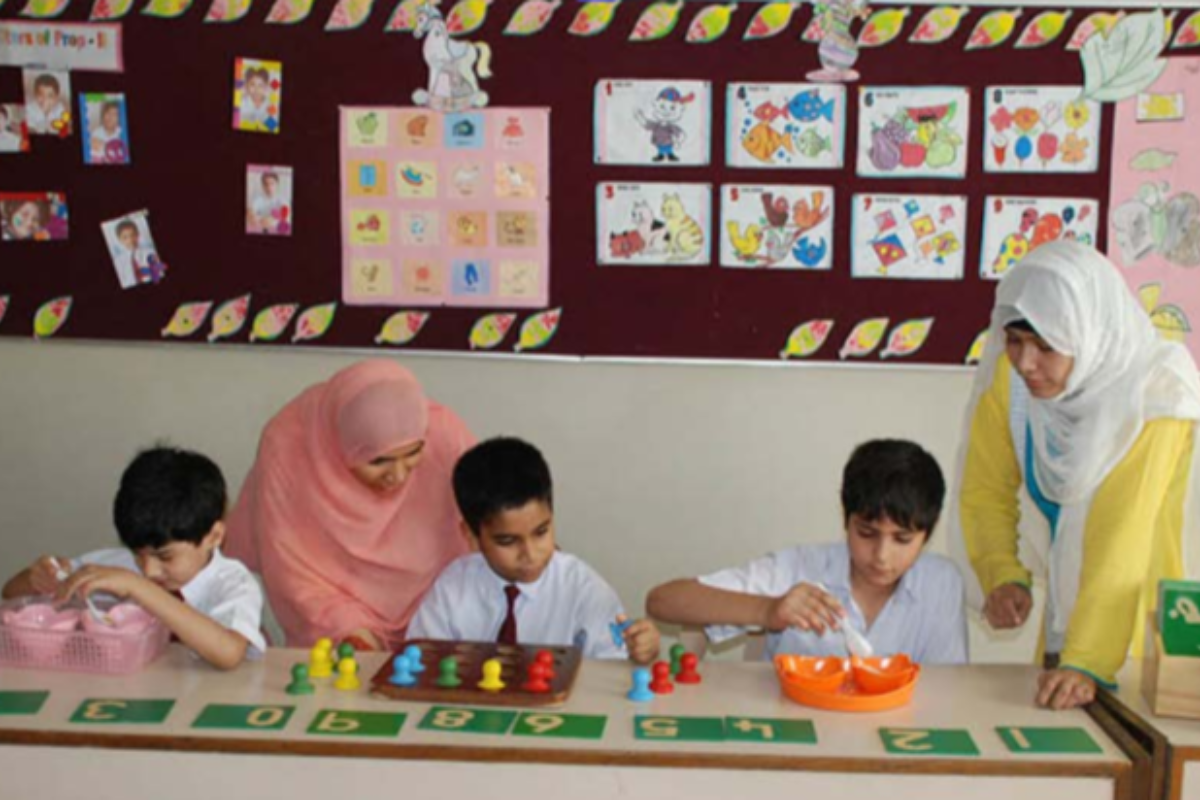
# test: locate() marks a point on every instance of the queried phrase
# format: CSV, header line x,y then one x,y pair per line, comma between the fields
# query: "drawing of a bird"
x,y
776,209
746,244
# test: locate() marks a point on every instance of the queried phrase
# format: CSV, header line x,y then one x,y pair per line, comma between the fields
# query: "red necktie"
x,y
508,629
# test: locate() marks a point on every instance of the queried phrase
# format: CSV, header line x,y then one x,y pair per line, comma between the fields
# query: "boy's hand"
x,y
806,607
642,641
43,574
1008,606
1061,689
111,580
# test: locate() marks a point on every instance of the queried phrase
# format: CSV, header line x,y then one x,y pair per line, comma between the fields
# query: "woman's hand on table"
x,y
1008,606
1062,689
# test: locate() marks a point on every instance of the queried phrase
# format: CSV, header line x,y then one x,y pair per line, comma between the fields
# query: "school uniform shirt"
x,y
225,591
253,116
569,604
268,208
38,121
923,618
9,142
100,138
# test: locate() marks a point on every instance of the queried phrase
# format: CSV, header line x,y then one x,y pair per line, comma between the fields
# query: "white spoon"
x,y
856,643
61,575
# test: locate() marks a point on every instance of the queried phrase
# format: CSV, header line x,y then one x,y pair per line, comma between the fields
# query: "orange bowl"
x,y
879,675
826,687
818,674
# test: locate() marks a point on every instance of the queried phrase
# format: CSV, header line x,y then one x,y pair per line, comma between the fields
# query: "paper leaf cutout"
x,y
52,315
938,24
402,327
1172,323
1148,294
1188,34
1043,29
227,10
103,10
467,16
349,14
404,16
488,332
314,322
806,339
44,9
538,330
865,337
993,29
770,20
289,12
1098,22
272,321
4,301
531,17
813,32
229,318
882,27
975,353
710,23
1126,61
593,18
656,22
187,319
907,338
166,9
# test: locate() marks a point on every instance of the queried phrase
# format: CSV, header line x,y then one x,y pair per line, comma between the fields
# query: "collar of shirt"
x,y
199,587
529,591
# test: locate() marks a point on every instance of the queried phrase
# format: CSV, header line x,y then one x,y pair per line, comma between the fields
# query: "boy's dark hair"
x,y
111,105
259,73
126,225
47,82
168,495
498,475
893,478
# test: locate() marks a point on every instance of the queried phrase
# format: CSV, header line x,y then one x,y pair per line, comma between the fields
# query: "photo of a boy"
x,y
105,137
45,112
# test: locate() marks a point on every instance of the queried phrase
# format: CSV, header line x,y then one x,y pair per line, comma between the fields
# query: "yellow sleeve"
x,y
990,493
1119,540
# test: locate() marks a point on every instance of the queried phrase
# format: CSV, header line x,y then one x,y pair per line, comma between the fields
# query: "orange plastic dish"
x,y
867,685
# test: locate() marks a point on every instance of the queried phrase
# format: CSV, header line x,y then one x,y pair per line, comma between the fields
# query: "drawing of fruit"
x,y
412,177
1170,320
368,123
50,318
912,154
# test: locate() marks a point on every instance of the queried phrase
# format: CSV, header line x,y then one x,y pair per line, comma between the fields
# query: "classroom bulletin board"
x,y
879,211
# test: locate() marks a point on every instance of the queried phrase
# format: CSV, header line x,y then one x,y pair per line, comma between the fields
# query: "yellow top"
x,y
1132,537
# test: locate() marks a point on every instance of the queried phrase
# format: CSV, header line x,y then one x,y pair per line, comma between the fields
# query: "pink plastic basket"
x,y
36,635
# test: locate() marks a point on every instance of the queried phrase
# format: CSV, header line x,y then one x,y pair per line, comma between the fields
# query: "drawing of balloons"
x,y
710,23
656,22
531,17
272,321
770,20
806,339
938,24
1047,147
593,18
907,338
187,319
975,352
229,318
538,330
314,322
402,327
51,317
488,332
865,337
1024,148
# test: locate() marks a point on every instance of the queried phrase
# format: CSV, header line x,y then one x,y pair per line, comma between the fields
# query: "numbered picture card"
x,y
1040,129
268,200
131,248
1013,227
908,236
257,95
33,216
47,102
653,123
913,132
105,129
654,223
777,227
14,134
785,125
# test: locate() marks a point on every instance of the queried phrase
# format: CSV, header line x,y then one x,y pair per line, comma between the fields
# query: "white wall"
x,y
661,470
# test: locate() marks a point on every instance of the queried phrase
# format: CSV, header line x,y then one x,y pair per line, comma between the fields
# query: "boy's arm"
x,y
689,602
40,577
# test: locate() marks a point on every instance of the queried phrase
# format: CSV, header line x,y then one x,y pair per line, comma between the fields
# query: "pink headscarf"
x,y
335,556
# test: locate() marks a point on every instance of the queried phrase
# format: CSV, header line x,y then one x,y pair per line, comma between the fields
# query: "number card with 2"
x,y
928,742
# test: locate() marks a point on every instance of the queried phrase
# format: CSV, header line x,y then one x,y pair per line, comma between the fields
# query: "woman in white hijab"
x,y
1081,408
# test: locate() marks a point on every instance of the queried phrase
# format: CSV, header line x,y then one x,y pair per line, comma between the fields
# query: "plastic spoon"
x,y
61,575
856,643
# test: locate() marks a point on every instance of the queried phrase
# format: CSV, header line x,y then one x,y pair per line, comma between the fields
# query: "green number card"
x,y
244,718
779,731
22,703
928,742
679,729
1179,617
467,720
104,711
335,722
1048,740
560,726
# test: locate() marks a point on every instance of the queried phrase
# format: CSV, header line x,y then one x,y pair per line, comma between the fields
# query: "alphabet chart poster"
x,y
445,209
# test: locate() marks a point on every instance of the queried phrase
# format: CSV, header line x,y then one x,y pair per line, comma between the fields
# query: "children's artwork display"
x,y
14,134
913,131
33,216
908,236
105,130
134,257
269,200
1154,205
653,123
1013,227
780,227
257,95
785,125
654,224
1040,129
47,102
445,209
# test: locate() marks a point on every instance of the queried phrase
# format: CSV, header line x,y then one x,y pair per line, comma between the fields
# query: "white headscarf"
x,y
1124,376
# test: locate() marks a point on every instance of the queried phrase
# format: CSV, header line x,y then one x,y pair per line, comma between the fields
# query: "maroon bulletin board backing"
x,y
189,171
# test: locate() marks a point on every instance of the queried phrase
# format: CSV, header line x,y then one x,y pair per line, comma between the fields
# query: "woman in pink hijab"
x,y
348,513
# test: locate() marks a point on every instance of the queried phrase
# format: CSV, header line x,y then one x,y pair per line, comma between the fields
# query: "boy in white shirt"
x,y
46,107
168,513
880,579
255,110
519,588
108,130
10,139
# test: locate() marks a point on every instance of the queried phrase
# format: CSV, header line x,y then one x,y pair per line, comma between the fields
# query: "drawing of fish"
x,y
808,107
763,142
769,112
811,144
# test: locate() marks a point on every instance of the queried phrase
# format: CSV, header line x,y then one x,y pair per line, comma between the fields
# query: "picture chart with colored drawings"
x,y
641,224
908,236
1013,227
445,209
913,131
777,227
1040,129
785,125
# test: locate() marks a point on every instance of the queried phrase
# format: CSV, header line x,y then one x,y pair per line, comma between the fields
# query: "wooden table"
x,y
281,750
